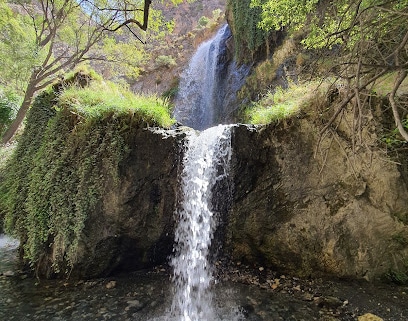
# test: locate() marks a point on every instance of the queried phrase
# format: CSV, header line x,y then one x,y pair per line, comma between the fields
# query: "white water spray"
x,y
206,162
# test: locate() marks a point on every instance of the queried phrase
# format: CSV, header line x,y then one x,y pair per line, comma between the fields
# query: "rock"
x,y
307,215
134,305
329,302
111,285
369,317
132,228
9,273
308,297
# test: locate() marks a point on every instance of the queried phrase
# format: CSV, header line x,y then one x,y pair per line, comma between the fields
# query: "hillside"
x,y
194,23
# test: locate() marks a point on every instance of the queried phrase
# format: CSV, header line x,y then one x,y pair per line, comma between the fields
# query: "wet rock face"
x,y
295,208
133,228
315,211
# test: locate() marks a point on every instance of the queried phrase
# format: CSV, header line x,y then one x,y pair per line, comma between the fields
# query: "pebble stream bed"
x,y
146,296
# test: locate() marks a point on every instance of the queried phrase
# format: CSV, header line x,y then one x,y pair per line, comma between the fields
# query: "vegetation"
x,y
248,37
9,103
40,40
74,144
285,103
367,39
165,61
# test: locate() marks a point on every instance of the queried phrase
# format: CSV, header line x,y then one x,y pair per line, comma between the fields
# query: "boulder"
x,y
133,229
313,208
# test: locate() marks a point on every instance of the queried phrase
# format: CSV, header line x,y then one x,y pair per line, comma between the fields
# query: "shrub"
x,y
203,22
165,61
9,104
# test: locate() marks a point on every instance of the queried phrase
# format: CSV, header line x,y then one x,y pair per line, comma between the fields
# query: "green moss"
x,y
69,155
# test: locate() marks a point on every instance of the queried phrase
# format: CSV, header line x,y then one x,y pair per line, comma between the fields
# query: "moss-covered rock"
x,y
91,186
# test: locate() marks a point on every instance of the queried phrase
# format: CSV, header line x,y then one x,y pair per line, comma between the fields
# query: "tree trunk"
x,y
28,98
398,81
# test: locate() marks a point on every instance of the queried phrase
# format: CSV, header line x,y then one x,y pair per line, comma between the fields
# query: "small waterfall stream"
x,y
206,162
208,87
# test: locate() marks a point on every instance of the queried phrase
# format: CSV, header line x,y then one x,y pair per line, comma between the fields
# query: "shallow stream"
x,y
241,293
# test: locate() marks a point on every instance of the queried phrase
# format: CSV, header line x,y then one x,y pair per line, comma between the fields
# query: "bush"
x,y
9,104
203,22
165,61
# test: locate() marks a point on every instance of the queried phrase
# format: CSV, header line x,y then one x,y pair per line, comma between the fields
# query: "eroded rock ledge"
x,y
296,208
308,210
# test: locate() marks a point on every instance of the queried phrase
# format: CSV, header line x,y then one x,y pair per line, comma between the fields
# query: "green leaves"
x,y
9,103
18,51
278,14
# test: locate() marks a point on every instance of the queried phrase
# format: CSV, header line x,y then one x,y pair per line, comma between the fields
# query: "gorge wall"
x,y
296,208
336,212
133,227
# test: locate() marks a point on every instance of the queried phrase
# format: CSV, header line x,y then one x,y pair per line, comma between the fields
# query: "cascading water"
x,y
208,87
201,95
205,163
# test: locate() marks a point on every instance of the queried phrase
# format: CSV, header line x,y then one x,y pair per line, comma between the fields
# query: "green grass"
x,y
384,85
105,98
282,104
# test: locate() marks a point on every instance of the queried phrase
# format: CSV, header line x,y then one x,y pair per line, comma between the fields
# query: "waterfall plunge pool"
x,y
147,295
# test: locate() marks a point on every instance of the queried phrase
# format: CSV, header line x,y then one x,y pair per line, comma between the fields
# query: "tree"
x,y
57,35
370,38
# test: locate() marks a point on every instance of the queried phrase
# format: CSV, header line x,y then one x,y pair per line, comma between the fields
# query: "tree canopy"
x,y
40,40
368,38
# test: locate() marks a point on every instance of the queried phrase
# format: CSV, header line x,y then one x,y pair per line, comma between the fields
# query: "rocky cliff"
x,y
318,207
300,204
133,228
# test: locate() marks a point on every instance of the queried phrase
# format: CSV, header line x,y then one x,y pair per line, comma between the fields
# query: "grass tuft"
x,y
282,104
105,98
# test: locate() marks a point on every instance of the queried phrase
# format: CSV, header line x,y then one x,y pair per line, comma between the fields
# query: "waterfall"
x,y
205,87
205,163
208,87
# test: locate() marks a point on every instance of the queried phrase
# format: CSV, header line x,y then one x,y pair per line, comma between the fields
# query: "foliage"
x,y
247,36
203,22
366,38
281,104
40,40
9,103
71,151
327,23
18,51
393,138
165,61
